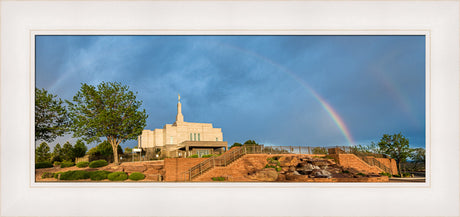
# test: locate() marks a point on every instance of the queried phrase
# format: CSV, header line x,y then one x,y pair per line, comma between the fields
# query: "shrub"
x,y
406,175
385,174
98,163
98,175
361,174
117,176
57,163
136,176
327,157
82,164
345,171
56,175
74,175
40,165
47,175
220,178
207,156
65,164
193,156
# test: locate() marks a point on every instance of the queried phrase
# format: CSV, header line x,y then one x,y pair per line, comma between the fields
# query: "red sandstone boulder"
x,y
281,178
287,161
153,177
152,171
154,166
320,162
114,168
265,175
134,168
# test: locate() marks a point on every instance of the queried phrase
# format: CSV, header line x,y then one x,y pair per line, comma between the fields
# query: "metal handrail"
x,y
212,162
235,153
374,162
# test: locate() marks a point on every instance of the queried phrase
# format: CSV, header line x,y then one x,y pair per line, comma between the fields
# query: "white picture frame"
x,y
22,20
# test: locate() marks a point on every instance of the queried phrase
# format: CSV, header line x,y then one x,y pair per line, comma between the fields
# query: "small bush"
x,y
82,164
117,176
193,156
65,164
57,163
385,174
74,175
345,171
207,155
98,175
361,174
327,157
40,165
98,163
136,176
56,175
220,178
47,175
406,175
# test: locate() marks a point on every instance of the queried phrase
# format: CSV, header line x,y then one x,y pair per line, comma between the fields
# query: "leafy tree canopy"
x,y
79,148
128,150
236,144
104,149
50,116
109,110
42,153
396,146
250,142
57,153
67,152
418,155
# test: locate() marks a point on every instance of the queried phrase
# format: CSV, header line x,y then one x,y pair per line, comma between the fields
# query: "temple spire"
x,y
179,116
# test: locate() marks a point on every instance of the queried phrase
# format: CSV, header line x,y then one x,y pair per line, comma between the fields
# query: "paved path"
x,y
418,179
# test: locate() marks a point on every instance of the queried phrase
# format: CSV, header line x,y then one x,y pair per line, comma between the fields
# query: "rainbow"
x,y
326,106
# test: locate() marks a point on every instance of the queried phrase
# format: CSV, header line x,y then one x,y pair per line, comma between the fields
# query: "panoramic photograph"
x,y
230,108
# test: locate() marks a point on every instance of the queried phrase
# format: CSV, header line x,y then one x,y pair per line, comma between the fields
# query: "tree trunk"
x,y
115,154
399,168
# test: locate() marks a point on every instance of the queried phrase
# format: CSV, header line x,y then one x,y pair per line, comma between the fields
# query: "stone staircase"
x,y
236,171
221,161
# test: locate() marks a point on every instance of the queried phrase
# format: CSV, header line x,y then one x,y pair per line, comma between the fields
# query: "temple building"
x,y
182,139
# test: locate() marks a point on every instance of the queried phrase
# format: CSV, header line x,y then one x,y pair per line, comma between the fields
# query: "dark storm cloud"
x,y
254,87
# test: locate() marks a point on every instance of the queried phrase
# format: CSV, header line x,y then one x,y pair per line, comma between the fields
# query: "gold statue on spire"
x,y
178,97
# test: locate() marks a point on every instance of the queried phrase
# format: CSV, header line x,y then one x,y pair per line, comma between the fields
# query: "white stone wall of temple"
x,y
174,134
158,137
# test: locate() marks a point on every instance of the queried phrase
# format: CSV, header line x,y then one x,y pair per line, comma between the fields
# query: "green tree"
x,y
51,118
396,146
57,153
250,142
104,150
418,156
79,149
128,150
236,144
319,150
67,152
109,110
42,153
367,149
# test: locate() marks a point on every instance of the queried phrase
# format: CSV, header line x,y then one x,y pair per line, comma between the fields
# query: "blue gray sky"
x,y
277,90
